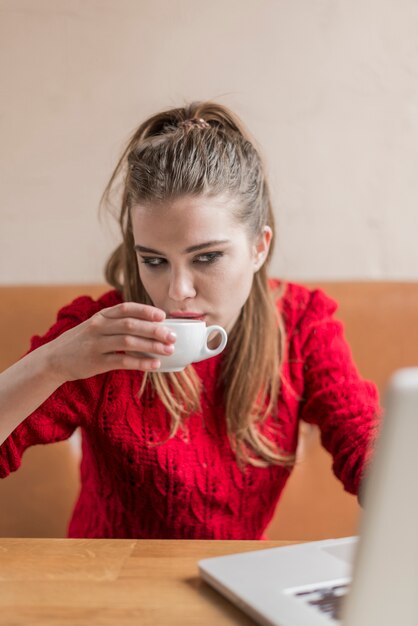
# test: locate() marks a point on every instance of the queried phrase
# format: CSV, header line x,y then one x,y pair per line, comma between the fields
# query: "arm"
x,y
24,387
48,393
336,398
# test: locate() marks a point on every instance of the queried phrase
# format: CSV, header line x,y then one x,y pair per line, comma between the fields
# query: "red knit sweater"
x,y
190,487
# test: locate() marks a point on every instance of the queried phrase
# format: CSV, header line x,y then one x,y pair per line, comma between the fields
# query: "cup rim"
x,y
181,320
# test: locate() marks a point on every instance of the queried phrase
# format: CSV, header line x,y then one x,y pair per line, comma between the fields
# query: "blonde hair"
x,y
169,157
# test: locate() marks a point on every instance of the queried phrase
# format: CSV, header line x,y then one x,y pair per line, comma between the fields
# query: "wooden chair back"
x,y
380,322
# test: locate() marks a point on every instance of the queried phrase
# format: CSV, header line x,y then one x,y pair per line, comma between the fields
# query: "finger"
x,y
131,362
117,343
138,328
134,309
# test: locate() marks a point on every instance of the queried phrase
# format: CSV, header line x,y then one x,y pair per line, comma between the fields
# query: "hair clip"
x,y
194,121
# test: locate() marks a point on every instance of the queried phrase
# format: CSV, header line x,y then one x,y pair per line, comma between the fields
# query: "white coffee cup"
x,y
191,344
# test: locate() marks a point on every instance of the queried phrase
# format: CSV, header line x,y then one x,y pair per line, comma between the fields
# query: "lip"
x,y
186,315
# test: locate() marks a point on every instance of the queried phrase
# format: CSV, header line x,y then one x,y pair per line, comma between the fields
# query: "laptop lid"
x,y
384,590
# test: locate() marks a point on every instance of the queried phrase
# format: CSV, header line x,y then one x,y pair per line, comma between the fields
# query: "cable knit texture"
x,y
190,487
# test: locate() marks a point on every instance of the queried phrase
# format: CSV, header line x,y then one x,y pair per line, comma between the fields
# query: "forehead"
x,y
185,218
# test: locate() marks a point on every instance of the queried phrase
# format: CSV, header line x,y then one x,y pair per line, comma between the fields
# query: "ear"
x,y
261,247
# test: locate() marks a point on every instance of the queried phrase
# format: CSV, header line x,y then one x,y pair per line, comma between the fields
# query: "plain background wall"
x,y
328,87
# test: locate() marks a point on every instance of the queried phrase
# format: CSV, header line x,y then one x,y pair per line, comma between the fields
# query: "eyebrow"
x,y
199,246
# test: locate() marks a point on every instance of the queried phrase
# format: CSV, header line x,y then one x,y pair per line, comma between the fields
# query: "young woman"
x,y
203,453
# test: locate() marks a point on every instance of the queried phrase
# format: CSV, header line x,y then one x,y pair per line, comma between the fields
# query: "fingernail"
x,y
172,336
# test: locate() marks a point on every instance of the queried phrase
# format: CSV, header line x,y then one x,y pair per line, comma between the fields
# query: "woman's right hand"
x,y
110,340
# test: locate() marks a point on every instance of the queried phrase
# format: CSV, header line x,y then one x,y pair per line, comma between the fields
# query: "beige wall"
x,y
329,88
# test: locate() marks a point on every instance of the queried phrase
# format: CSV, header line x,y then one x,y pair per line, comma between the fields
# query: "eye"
x,y
208,257
153,261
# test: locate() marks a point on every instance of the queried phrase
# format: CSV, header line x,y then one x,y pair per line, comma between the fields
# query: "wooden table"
x,y
114,582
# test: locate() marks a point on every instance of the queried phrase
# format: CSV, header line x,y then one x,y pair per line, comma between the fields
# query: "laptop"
x,y
370,580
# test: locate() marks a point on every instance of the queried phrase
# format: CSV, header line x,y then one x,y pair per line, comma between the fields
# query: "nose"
x,y
181,286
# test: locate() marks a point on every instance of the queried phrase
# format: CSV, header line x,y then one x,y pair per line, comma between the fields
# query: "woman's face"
x,y
195,260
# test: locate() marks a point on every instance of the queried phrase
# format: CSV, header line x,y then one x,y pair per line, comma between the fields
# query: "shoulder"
x,y
76,312
301,305
84,307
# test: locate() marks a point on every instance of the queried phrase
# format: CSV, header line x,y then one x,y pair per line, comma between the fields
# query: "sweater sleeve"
x,y
336,398
66,409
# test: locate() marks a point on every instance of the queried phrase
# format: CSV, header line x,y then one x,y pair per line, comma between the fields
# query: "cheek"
x,y
153,284
232,285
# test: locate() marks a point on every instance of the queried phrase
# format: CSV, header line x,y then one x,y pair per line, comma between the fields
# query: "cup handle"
x,y
206,352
